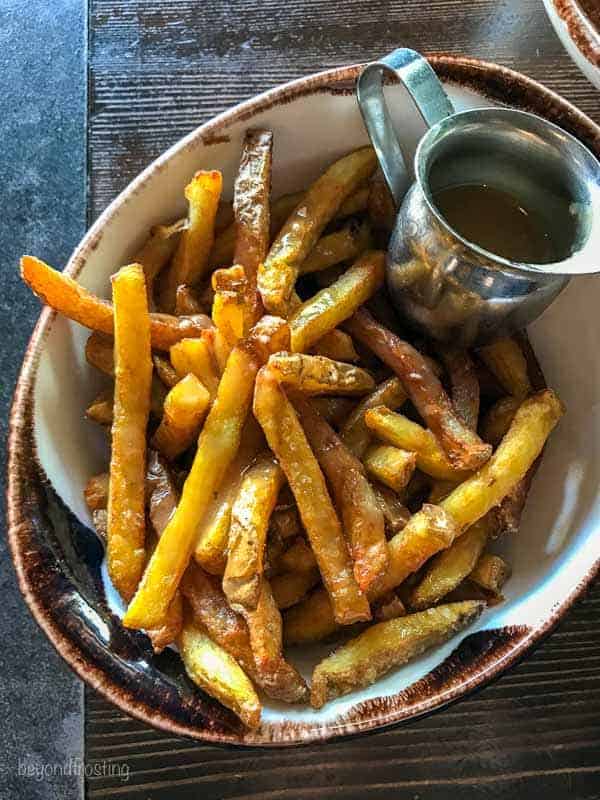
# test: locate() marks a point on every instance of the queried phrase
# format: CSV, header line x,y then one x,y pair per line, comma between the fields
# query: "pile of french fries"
x,y
278,446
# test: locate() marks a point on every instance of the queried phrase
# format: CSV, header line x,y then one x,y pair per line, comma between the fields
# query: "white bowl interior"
x,y
557,543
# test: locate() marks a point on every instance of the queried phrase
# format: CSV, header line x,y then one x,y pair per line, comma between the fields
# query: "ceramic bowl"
x,y
579,32
53,449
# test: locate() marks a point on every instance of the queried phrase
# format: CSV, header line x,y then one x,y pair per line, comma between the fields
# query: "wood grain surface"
x,y
159,68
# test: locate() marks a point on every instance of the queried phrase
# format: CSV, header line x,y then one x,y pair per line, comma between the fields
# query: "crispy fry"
x,y
217,446
361,516
231,311
99,352
390,465
361,661
100,409
190,262
298,557
184,409
399,431
337,345
355,433
195,356
349,242
319,375
156,252
96,492
217,673
491,573
331,306
498,419
334,409
395,514
287,441
440,490
389,607
160,492
505,359
464,383
310,620
188,302
73,301
218,347
165,370
100,522
508,514
133,373
168,632
266,640
464,448
290,587
452,566
250,516
277,274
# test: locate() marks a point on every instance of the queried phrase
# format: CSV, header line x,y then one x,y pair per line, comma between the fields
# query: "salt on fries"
x,y
258,470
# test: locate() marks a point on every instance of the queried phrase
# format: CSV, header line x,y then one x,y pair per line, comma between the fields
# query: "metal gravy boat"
x,y
451,288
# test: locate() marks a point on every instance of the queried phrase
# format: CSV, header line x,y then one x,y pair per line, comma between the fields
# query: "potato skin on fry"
x,y
126,528
319,375
463,447
288,442
361,661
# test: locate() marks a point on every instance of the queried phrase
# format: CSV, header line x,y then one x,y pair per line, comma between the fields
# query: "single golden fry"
x,y
331,306
505,360
498,419
363,660
399,431
337,345
218,674
463,447
250,516
355,432
349,242
217,446
464,382
357,506
231,311
157,251
100,409
288,442
184,409
165,370
310,620
491,573
99,353
277,274
195,356
319,375
290,587
449,568
73,301
96,492
218,346
125,551
298,557
190,262
264,624
390,465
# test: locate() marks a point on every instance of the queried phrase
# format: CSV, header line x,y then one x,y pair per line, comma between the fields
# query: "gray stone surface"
x,y
42,189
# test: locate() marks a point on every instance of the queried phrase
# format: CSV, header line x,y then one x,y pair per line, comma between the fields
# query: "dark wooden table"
x,y
157,69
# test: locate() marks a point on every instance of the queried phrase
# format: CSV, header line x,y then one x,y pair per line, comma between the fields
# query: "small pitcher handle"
x,y
432,102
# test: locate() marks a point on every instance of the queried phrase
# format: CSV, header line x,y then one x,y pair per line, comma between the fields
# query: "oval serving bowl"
x,y
579,33
53,450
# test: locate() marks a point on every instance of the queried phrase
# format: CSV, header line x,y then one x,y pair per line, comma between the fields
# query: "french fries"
x,y
290,587
248,532
100,409
349,242
362,519
194,356
464,382
288,442
395,513
184,409
99,353
399,431
362,660
319,375
298,557
156,252
498,418
126,524
331,306
231,311
452,566
96,492
463,447
505,359
311,620
217,446
491,573
164,369
336,345
355,432
217,673
66,296
390,465
187,302
278,273
190,262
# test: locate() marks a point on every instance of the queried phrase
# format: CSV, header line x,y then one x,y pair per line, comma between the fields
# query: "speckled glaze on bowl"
x,y
53,449
579,34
